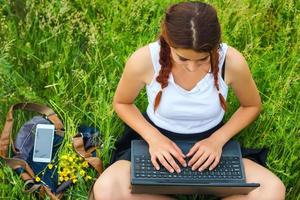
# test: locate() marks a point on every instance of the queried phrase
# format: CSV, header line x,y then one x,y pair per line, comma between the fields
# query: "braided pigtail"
x,y
166,65
214,60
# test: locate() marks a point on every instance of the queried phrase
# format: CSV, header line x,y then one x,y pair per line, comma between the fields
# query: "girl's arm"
x,y
207,152
138,71
239,77
132,81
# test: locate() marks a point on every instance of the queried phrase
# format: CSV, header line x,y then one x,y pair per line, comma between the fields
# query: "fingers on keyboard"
x,y
163,161
178,157
155,163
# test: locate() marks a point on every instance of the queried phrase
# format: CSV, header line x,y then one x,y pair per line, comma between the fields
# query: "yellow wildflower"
x,y
65,172
66,178
37,179
63,163
73,177
61,179
82,173
87,177
64,157
50,166
74,180
70,159
85,164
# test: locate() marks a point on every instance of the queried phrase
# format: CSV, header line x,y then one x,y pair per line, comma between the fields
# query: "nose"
x,y
191,66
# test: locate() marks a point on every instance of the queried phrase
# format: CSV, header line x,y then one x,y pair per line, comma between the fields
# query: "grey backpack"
x,y
25,138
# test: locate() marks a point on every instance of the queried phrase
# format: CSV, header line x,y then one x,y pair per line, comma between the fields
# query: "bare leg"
x,y
114,184
271,187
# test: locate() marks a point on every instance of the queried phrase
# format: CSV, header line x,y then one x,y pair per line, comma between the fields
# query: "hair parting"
x,y
189,25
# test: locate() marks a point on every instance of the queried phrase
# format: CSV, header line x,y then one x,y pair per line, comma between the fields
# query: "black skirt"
x,y
123,145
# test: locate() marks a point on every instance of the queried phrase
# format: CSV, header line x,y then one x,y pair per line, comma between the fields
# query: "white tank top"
x,y
183,111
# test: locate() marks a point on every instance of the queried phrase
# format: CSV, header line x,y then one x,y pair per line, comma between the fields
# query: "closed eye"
x,y
182,59
203,59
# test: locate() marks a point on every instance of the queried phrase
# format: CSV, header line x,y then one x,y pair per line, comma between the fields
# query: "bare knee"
x,y
271,187
113,184
109,189
103,189
277,189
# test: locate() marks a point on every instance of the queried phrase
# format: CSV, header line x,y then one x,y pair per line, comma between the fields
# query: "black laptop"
x,y
226,179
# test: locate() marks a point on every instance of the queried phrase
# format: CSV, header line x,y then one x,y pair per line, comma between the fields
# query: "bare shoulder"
x,y
239,77
134,77
236,65
139,64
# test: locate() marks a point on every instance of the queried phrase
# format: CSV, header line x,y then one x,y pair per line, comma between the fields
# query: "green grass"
x,y
71,55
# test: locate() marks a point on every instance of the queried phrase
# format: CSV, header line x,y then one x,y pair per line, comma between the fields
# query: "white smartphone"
x,y
43,143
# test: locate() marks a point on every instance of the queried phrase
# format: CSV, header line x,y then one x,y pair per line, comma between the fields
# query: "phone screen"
x,y
43,143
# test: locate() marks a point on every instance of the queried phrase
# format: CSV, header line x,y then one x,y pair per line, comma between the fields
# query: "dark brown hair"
x,y
189,25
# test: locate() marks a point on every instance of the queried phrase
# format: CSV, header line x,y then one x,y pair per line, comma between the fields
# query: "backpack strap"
x,y
48,112
49,193
32,186
42,109
16,163
78,145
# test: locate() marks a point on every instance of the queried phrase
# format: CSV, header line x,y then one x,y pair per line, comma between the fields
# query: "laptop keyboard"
x,y
229,168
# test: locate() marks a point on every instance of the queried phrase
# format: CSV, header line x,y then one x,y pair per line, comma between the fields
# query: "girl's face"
x,y
191,60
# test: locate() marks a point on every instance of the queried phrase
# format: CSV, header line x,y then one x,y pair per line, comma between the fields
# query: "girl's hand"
x,y
165,150
206,153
